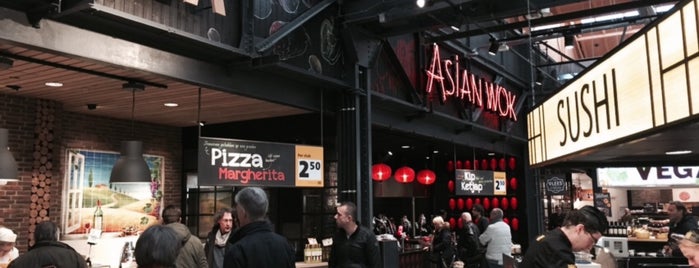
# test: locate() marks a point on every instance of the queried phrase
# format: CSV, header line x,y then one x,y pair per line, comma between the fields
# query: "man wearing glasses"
x,y
580,231
353,245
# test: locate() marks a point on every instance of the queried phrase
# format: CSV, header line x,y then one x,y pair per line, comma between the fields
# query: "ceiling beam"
x,y
69,41
586,13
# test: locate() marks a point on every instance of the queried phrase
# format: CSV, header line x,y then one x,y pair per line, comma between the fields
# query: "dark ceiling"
x,y
509,22
596,26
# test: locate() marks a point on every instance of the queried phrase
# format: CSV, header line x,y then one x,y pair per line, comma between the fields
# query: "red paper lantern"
x,y
477,201
513,201
450,166
452,223
426,177
476,164
460,204
461,223
450,186
380,172
505,220
469,204
467,164
452,203
502,165
515,223
405,175
493,163
504,203
512,163
495,203
513,183
458,164
484,164
486,203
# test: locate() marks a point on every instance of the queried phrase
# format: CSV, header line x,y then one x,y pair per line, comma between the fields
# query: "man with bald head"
x,y
469,248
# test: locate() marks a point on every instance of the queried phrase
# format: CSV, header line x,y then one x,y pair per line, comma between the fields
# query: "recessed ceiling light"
x,y
491,154
405,147
171,104
53,84
678,152
435,151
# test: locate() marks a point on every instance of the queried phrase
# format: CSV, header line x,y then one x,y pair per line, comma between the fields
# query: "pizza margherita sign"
x,y
253,163
453,82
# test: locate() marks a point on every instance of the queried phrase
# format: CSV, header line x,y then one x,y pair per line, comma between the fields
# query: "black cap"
x,y
596,220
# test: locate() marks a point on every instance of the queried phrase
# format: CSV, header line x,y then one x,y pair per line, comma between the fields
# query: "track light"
x,y
569,41
6,63
494,47
539,78
133,86
424,3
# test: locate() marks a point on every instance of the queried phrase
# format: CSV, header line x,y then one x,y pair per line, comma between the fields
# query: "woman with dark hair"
x,y
479,218
157,247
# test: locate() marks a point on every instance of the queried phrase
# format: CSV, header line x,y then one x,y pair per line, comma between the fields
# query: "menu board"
x,y
254,163
480,182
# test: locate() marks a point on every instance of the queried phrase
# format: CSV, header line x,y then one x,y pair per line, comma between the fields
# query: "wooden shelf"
x,y
633,239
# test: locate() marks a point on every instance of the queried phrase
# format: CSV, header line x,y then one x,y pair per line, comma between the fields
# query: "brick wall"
x,y
73,130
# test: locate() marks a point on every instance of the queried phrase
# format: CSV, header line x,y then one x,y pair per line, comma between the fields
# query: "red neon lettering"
x,y
245,175
433,73
467,87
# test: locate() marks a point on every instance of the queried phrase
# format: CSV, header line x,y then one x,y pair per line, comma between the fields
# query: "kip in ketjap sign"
x,y
480,182
253,163
450,81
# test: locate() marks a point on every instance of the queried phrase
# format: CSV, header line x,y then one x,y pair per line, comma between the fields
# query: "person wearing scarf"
x,y
217,239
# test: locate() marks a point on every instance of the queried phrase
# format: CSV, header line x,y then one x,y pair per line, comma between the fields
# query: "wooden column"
x,y
43,167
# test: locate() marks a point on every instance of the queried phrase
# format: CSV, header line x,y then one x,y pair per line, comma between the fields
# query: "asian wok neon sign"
x,y
452,82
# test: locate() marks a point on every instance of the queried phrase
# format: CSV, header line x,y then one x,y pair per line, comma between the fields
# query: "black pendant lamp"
x,y
8,165
131,167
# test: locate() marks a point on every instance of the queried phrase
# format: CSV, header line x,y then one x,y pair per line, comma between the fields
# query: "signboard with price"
x,y
253,163
480,182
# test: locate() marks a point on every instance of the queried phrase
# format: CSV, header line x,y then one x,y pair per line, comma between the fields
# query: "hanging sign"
x,y
555,185
647,84
648,176
452,82
253,163
480,182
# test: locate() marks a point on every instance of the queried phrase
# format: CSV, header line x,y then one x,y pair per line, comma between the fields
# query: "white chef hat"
x,y
7,235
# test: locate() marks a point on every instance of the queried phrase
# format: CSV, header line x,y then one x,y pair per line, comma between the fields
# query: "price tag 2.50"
x,y
310,169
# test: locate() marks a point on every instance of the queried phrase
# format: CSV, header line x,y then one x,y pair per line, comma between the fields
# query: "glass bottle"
x,y
98,217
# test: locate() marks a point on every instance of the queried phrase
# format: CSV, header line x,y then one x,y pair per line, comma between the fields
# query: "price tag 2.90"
x,y
310,169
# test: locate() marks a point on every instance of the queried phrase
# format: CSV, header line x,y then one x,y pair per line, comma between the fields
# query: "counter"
x,y
634,262
412,258
107,251
311,265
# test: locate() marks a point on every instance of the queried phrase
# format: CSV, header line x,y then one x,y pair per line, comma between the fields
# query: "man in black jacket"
x,y
217,239
353,245
681,222
254,244
580,231
469,248
48,252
